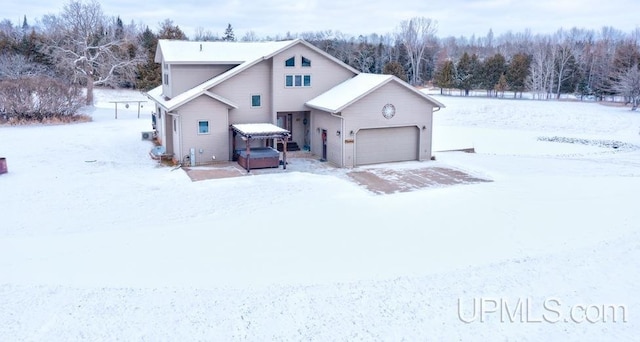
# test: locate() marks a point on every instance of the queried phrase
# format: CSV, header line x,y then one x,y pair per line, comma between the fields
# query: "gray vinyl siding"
x,y
411,110
238,89
159,113
216,143
322,120
167,135
325,74
185,77
166,88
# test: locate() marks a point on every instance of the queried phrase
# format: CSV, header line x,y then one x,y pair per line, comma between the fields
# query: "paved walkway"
x,y
378,179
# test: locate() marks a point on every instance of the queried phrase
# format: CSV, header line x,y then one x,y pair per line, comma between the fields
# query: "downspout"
x,y
341,139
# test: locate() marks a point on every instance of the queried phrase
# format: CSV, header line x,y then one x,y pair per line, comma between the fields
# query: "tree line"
x,y
82,47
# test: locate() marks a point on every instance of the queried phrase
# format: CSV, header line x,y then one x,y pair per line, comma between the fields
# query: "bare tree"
x,y
14,66
629,86
416,35
250,36
564,52
93,48
205,35
541,70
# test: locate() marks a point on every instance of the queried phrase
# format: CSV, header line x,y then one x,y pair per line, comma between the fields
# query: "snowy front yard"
x,y
99,242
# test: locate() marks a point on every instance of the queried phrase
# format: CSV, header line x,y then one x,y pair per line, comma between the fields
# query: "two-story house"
x,y
325,106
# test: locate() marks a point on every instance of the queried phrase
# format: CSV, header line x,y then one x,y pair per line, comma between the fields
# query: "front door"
x,y
286,121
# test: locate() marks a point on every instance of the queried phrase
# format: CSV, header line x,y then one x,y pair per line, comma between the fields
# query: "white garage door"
x,y
385,145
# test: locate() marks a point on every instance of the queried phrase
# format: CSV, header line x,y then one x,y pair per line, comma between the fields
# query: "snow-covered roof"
x,y
193,52
246,54
156,95
346,93
259,129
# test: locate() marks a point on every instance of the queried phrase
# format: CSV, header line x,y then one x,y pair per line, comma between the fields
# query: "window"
x,y
175,125
297,81
166,79
203,127
291,62
306,62
256,101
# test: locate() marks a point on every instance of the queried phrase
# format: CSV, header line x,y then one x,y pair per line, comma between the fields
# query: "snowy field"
x,y
99,242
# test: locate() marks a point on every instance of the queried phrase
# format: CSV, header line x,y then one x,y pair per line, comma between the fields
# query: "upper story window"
x,y
297,81
166,79
256,101
291,62
306,62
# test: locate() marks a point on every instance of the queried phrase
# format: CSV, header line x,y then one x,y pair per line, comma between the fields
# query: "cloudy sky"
x,y
356,17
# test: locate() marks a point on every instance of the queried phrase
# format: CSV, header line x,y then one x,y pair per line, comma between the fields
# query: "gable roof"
x,y
246,54
193,52
350,91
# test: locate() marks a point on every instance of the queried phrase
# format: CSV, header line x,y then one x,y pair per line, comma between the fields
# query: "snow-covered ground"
x,y
99,242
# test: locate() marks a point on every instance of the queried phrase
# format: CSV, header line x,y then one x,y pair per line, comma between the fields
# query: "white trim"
x,y
293,79
259,100
208,128
294,62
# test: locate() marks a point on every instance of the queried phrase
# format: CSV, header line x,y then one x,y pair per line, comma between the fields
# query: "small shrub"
x,y
40,99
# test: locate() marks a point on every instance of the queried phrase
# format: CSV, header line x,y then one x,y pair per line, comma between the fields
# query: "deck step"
x,y
291,146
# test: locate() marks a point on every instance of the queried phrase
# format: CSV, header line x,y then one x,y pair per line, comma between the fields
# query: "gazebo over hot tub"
x,y
259,157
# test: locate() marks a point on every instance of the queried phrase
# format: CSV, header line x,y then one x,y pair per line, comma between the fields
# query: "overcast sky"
x,y
356,17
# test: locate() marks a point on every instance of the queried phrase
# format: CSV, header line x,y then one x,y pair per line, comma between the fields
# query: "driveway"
x,y
379,179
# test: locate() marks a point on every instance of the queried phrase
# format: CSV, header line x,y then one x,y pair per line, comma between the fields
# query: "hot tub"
x,y
260,157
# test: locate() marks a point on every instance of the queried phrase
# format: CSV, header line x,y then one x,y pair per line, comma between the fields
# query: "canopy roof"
x,y
260,131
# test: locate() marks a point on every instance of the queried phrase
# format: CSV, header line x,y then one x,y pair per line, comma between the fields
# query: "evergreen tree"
x,y
517,73
229,36
492,68
149,73
571,82
445,76
467,72
119,34
30,48
394,68
501,86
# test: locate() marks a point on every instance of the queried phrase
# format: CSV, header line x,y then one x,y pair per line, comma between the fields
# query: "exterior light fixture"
x,y
338,133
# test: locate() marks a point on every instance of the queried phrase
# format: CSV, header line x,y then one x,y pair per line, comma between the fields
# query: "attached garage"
x,y
386,145
372,119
